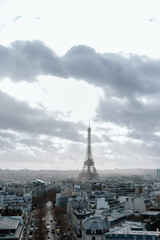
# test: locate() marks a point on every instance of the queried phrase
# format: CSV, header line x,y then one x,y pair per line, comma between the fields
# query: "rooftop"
x,y
95,223
8,223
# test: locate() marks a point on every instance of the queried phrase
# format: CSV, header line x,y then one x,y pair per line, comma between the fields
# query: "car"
x,y
53,231
37,235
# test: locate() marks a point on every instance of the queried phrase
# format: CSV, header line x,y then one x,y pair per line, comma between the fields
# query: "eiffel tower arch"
x,y
89,172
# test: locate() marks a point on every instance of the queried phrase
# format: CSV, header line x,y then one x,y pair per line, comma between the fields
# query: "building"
x,y
76,204
109,200
134,203
39,188
158,174
119,216
94,228
131,231
61,200
151,214
77,219
10,228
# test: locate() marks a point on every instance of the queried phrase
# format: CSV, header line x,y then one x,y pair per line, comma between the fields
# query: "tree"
x,y
39,216
51,195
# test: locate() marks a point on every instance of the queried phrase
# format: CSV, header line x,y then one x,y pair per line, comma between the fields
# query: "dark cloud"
x,y
34,141
27,60
124,75
19,116
142,120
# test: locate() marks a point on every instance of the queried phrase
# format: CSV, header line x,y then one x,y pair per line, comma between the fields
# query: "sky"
x,y
65,64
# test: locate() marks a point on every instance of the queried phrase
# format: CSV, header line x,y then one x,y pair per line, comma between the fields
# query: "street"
x,y
50,223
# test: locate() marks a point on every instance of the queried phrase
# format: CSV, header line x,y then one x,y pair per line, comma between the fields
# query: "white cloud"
x,y
69,98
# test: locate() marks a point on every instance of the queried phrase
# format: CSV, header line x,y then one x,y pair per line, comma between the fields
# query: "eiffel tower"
x,y
89,172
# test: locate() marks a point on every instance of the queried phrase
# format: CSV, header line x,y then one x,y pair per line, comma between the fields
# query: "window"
x,y
93,238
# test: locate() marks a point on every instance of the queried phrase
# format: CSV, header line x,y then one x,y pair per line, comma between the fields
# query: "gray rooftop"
x,y
8,223
151,213
94,223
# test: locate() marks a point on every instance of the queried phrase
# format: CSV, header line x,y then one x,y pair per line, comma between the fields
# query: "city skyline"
x,y
64,64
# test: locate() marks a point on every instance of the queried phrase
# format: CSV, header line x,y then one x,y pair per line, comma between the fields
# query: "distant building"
x,y
39,188
158,174
89,172
9,198
134,203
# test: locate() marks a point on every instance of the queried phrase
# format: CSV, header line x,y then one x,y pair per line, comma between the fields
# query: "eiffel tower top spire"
x,y
89,150
89,172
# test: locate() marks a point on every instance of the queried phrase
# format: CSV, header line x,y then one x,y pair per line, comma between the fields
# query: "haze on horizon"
x,y
64,64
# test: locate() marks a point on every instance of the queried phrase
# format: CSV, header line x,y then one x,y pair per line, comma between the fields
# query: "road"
x,y
28,226
50,223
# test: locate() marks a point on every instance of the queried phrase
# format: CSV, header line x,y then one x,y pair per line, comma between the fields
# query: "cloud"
x,y
141,119
19,116
4,145
124,75
26,60
17,18
131,96
126,81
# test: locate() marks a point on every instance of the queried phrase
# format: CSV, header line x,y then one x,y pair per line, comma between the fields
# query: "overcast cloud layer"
x,y
131,97
25,60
